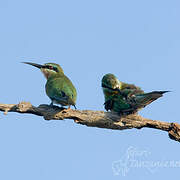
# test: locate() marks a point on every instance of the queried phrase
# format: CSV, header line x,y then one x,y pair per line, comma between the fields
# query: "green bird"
x,y
59,87
125,98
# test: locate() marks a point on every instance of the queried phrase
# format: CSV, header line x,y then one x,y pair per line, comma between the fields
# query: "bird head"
x,y
110,82
48,69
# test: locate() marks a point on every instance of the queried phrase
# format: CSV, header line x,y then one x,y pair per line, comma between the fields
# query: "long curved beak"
x,y
34,64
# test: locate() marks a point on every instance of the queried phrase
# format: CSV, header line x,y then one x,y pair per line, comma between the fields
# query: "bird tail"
x,y
147,98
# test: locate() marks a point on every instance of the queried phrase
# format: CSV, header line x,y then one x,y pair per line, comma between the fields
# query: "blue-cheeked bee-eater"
x,y
59,87
125,98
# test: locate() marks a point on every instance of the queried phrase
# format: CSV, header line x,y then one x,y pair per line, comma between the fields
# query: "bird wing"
x,y
126,86
61,89
142,100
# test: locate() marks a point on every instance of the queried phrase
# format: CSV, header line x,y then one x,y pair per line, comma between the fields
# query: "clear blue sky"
x,y
138,41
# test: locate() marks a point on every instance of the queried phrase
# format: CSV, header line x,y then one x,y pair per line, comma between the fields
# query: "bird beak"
x,y
34,64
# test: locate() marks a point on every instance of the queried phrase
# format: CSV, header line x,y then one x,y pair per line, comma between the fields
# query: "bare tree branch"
x,y
98,119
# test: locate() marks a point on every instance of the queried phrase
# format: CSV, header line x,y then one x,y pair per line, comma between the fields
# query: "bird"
x,y
125,98
59,87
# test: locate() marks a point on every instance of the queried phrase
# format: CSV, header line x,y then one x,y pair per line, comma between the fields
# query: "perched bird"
x,y
59,87
125,98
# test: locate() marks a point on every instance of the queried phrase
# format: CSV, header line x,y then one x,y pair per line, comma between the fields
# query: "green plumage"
x,y
125,98
61,90
58,87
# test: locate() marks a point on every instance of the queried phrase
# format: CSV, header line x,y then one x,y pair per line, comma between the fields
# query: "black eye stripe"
x,y
47,67
51,68
55,69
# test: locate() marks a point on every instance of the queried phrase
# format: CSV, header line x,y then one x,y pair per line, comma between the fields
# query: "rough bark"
x,y
90,118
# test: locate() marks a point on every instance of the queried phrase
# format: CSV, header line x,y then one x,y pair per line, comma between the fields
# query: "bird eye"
x,y
55,69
